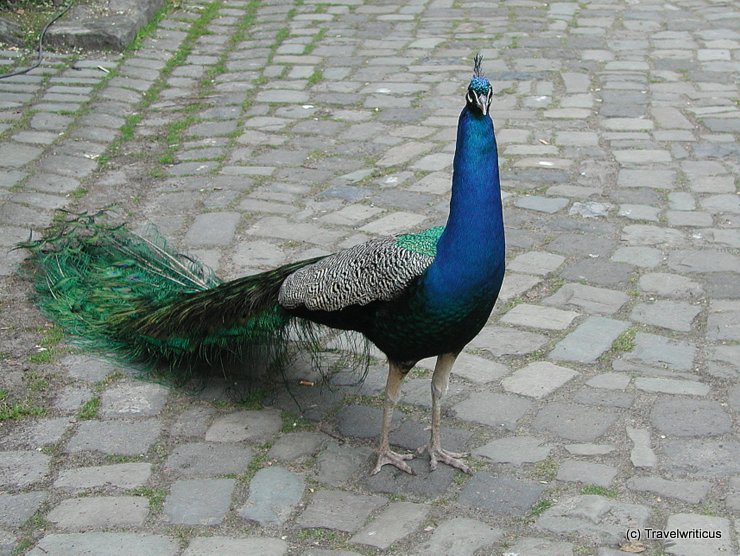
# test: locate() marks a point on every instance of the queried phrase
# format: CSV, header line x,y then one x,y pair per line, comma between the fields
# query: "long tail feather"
x,y
117,290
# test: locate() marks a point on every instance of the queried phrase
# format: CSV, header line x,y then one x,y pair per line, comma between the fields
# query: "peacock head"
x,y
480,91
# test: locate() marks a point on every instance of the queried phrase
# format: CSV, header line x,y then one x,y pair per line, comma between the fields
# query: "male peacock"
x,y
414,295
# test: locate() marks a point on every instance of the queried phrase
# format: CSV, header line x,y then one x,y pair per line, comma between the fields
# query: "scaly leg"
x,y
440,382
385,454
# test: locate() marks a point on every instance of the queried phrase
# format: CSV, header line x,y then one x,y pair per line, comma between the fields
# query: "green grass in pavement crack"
x,y
198,28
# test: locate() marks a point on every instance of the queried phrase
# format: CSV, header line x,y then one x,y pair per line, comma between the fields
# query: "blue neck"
x,y
470,252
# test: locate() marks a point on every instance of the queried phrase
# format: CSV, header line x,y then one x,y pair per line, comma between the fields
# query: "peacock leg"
x,y
440,382
385,454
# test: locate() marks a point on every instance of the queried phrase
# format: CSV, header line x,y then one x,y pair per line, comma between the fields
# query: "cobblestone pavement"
x,y
602,395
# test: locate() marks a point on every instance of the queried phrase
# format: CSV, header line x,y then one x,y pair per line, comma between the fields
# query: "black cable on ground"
x,y
40,47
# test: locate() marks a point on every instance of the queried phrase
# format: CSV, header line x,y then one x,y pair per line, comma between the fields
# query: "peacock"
x,y
413,296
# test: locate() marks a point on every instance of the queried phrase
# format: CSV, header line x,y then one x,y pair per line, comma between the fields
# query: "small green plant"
x,y
315,77
599,491
18,410
156,496
293,422
625,341
90,409
539,508
317,535
547,469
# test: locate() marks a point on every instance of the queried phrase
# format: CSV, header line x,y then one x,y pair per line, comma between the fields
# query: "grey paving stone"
x,y
338,463
724,320
548,205
362,421
298,445
87,367
100,512
723,361
218,545
473,368
129,438
660,352
22,468
586,472
589,449
207,459
692,492
538,379
417,391
515,450
38,433
590,209
573,244
602,272
608,398
592,517
500,341
590,299
646,257
493,409
669,285
424,484
251,425
609,381
138,399
71,398
274,493
672,386
193,421
652,236
574,422
120,475
500,494
531,546
674,315
213,228
642,454
341,511
719,544
690,417
105,544
705,260
412,435
16,509
587,342
8,543
198,501
396,522
15,155
461,536
702,458
536,262
535,316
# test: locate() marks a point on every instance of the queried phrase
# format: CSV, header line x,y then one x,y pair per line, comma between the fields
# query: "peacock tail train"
x,y
134,295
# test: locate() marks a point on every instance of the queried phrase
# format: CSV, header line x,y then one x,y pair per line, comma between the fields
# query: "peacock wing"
x,y
378,270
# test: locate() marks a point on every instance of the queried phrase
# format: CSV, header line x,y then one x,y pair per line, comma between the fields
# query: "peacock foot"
x,y
398,460
453,459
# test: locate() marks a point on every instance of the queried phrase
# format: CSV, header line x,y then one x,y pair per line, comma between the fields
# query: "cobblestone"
x,y
256,134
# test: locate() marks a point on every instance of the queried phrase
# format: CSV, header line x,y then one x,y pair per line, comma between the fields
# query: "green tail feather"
x,y
122,292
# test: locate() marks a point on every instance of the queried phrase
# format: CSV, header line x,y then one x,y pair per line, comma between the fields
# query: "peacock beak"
x,y
481,101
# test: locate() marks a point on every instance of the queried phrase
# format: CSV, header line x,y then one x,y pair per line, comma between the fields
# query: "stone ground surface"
x,y
602,395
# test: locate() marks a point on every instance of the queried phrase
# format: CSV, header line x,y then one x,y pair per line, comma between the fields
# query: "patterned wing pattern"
x,y
378,270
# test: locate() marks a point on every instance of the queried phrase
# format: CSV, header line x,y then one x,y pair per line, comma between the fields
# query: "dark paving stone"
x,y
363,422
493,409
274,493
573,421
207,459
199,501
600,397
15,509
501,494
704,458
341,511
412,435
129,438
425,484
689,417
460,536
601,272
